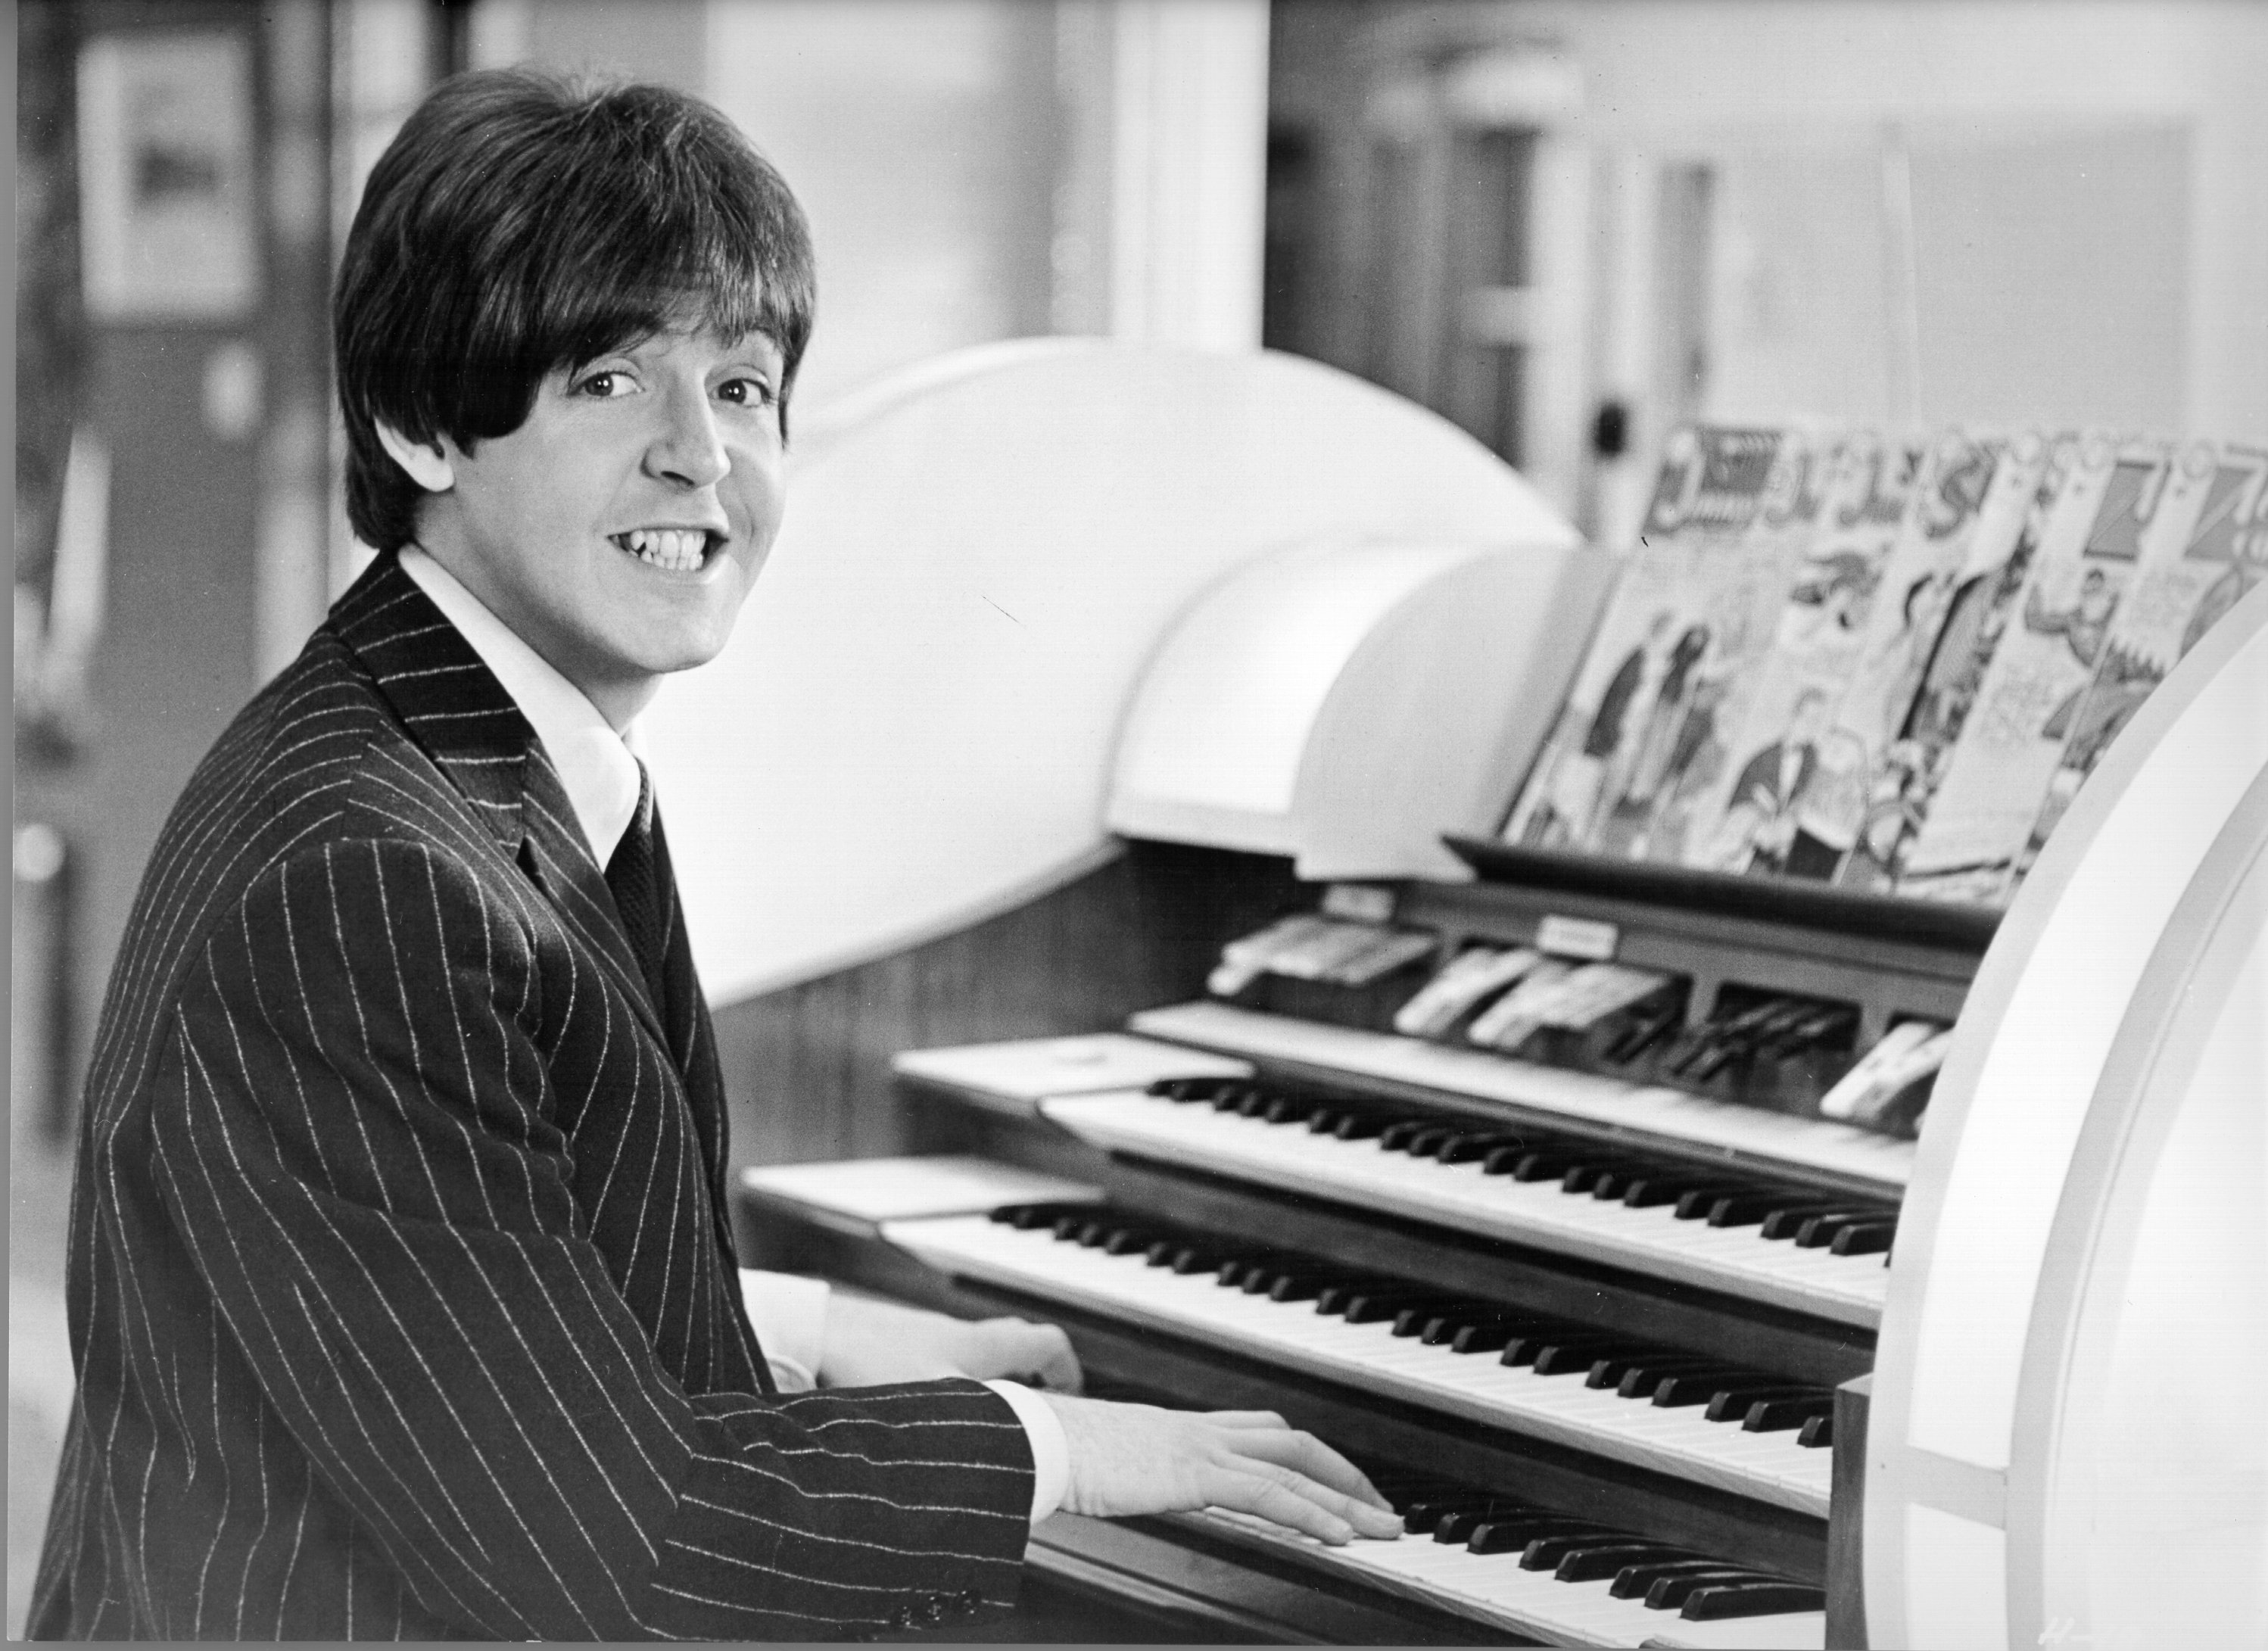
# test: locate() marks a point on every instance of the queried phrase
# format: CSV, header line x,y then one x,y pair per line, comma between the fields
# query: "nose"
x,y
687,447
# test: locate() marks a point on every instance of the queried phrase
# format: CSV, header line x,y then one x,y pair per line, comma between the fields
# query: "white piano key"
x,y
1736,1260
1670,1115
1679,1441
1493,1588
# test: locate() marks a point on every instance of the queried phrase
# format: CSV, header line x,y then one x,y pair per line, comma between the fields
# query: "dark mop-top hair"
x,y
520,223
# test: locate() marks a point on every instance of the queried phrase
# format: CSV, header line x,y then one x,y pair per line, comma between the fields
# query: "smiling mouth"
x,y
681,549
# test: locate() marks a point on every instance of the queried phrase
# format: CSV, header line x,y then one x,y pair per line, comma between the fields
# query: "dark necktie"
x,y
638,894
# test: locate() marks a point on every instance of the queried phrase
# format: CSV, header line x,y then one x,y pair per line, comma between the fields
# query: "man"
x,y
403,1291
1761,828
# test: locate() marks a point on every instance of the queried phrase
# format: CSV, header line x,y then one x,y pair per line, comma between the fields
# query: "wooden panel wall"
x,y
808,1067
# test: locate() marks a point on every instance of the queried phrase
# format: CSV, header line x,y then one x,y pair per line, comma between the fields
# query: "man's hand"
x,y
871,1342
1138,1459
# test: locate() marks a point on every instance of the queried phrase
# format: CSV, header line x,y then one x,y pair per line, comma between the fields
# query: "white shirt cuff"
x,y
789,1313
1050,1451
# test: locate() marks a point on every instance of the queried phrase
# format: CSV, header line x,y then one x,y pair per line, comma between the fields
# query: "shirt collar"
x,y
597,767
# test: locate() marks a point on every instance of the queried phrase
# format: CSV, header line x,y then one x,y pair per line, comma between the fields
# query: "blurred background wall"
x,y
1563,225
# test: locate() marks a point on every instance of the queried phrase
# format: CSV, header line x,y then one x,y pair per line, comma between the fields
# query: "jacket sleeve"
x,y
356,1134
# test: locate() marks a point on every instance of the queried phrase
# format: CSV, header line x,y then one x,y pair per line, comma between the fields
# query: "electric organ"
x,y
1079,668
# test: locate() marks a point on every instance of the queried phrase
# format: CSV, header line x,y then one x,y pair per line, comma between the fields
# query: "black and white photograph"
x,y
1141,822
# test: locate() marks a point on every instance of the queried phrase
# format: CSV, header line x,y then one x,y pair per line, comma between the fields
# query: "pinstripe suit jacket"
x,y
402,1293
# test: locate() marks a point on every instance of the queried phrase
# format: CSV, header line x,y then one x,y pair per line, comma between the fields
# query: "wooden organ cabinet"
x,y
1077,665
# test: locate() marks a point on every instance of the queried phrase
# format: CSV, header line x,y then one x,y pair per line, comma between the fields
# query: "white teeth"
x,y
677,547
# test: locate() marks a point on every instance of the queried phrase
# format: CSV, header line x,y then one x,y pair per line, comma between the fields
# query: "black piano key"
x,y
1864,1238
1701,1203
1025,1217
1732,1403
1525,1162
1189,1258
1614,1180
1236,1267
1286,1109
1697,1387
1545,1553
1599,1177
1572,1355
1427,1143
1333,1296
1668,1593
1819,1232
1437,1325
1751,1599
1641,1379
1422,1513
1126,1241
1746,1209
1817,1432
1524,1346
1395,1137
1359,1127
1383,1307
1443,1329
1260,1280
1771,1416
1648,1191
1187,1090
1487,1335
1633,1581
1456,1525
1597,1562
1607,1369
1263,1280
1413,1319
1512,1535
1788,1220
1467,1145
1344,1288
1295,1286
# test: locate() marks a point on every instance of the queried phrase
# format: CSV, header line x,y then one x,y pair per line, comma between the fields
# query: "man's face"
x,y
618,530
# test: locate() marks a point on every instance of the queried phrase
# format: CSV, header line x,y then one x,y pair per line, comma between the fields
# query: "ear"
x,y
427,462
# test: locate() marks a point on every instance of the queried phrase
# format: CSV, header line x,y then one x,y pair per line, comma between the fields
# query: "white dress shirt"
x,y
598,768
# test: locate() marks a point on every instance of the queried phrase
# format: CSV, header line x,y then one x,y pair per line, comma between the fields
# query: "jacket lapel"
x,y
452,705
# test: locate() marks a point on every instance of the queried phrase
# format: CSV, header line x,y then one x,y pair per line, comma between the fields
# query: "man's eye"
x,y
603,385
747,392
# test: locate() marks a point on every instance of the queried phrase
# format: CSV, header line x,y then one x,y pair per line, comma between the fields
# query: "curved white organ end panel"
x,y
2066,1443
912,728
1346,703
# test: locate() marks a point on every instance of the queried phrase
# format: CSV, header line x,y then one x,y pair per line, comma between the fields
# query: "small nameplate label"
x,y
1358,902
1577,937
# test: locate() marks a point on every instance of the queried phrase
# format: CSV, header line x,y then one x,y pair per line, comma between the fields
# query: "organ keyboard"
x,y
1562,1603
1380,1346
1741,1251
